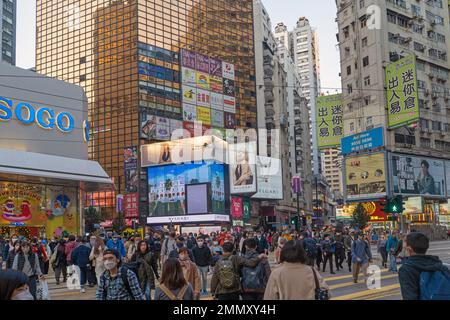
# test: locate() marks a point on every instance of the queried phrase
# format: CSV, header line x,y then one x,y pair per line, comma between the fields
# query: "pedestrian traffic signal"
x,y
393,205
294,222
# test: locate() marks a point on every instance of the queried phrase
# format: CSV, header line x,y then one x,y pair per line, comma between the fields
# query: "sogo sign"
x,y
44,117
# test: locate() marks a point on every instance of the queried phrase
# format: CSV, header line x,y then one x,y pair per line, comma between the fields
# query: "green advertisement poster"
x,y
402,97
329,121
246,210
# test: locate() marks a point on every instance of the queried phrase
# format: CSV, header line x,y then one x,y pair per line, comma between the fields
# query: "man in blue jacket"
x,y
391,247
80,258
262,245
361,256
116,244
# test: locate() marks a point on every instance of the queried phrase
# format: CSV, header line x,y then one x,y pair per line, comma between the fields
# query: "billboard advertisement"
x,y
413,205
329,121
236,208
373,209
414,175
402,95
242,157
269,178
131,169
365,176
158,128
209,83
246,210
364,141
167,187
131,205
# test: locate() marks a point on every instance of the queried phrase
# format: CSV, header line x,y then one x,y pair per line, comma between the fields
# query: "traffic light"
x,y
393,205
294,222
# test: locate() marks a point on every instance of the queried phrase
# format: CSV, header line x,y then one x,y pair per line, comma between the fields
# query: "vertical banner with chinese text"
x,y
329,121
402,97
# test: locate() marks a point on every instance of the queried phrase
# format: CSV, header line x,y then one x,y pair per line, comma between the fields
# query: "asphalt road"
x,y
341,283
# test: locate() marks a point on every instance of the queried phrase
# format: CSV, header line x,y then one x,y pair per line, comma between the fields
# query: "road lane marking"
x,y
395,293
347,284
346,276
365,293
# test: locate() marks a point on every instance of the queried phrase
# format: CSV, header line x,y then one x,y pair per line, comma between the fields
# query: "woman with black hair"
x,y
14,286
145,275
28,262
173,285
294,279
12,254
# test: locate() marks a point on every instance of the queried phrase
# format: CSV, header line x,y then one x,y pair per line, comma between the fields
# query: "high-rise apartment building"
x,y
126,55
8,11
281,107
302,44
372,35
332,168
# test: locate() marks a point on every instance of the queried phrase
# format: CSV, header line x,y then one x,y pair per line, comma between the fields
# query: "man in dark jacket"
x,y
80,258
262,246
202,258
255,293
418,261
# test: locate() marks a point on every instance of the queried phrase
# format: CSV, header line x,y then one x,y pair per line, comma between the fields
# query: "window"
x,y
350,107
367,81
423,123
364,42
421,84
425,142
399,138
349,88
352,126
361,4
369,121
363,23
82,60
436,126
392,17
349,70
417,28
82,78
346,32
419,47
416,10
365,61
367,100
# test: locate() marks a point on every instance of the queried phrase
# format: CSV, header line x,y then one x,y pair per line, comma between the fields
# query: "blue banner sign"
x,y
363,141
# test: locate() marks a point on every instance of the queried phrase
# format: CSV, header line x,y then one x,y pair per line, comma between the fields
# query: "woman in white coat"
x,y
96,257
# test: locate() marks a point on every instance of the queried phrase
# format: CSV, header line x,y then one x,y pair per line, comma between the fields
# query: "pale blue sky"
x,y
321,15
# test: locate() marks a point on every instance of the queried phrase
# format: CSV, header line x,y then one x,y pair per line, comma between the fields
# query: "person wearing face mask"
x,y
190,271
96,257
202,258
80,257
117,283
28,262
168,245
216,251
116,244
12,254
14,286
52,245
144,258
154,243
262,245
422,276
70,246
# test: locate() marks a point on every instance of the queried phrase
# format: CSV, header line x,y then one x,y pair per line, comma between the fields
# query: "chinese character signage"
x,y
131,205
329,121
365,176
413,175
236,208
402,97
246,210
363,141
131,172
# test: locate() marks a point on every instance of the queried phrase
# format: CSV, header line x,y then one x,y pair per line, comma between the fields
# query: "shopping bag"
x,y
42,292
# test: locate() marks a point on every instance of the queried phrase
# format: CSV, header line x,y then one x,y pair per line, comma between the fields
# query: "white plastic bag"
x,y
42,292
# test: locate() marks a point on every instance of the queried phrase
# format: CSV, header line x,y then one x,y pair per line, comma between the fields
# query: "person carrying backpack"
x,y
254,280
117,282
339,255
361,256
145,259
225,281
310,247
173,285
422,276
168,245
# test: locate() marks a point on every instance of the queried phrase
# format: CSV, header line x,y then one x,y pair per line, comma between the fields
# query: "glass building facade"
x,y
128,56
8,9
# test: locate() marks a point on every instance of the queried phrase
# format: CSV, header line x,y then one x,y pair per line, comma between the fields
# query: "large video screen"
x,y
167,187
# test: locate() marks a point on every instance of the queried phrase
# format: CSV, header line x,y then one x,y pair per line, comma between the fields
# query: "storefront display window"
x,y
38,210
